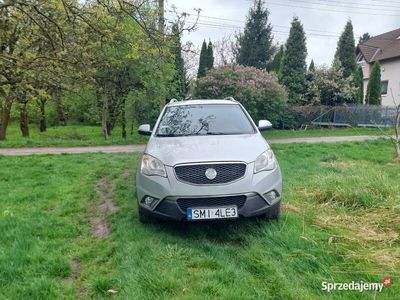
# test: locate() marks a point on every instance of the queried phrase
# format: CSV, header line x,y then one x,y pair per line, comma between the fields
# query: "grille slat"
x,y
185,203
195,174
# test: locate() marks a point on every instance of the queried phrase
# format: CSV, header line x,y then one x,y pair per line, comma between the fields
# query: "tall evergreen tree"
x,y
311,68
256,47
374,88
275,64
346,50
293,69
203,61
179,80
210,56
359,83
311,90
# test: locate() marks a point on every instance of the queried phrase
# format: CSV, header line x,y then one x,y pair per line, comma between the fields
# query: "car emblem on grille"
x,y
211,173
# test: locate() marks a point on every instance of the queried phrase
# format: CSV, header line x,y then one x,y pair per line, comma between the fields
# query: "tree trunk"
x,y
108,127
104,117
132,126
123,119
24,119
3,131
42,122
112,119
4,118
62,117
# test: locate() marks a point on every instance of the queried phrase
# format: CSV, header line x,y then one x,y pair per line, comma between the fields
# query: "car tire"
x,y
144,216
273,214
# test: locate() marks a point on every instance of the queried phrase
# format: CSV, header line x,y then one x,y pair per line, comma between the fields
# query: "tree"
x,y
275,64
256,89
210,56
365,37
203,61
359,82
311,68
113,50
374,87
346,50
224,51
206,61
33,45
179,80
293,69
330,87
255,45
311,91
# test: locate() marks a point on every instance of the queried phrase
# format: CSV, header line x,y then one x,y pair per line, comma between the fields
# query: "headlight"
x,y
152,166
266,161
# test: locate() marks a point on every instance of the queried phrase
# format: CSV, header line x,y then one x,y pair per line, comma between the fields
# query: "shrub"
x,y
258,91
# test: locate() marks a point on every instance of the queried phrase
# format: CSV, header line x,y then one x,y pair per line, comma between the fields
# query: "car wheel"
x,y
144,216
273,214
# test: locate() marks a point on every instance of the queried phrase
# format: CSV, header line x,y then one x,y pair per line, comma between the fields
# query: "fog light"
x,y
149,201
271,196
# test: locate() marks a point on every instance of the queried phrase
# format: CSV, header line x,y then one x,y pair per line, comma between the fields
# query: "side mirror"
x,y
264,125
144,129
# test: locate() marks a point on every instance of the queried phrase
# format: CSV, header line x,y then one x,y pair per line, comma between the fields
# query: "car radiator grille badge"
x,y
211,173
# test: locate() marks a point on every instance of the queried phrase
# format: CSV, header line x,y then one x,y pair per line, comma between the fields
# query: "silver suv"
x,y
206,159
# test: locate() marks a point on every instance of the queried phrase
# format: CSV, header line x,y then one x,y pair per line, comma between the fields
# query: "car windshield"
x,y
212,119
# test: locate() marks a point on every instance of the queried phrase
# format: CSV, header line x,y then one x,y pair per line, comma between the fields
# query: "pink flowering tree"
x,y
258,91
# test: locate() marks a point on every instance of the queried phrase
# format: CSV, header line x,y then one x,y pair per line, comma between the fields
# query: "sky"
x,y
323,20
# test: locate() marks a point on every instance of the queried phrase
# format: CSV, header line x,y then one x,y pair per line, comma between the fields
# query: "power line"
x,y
368,6
277,32
243,22
340,6
330,10
387,1
281,26
362,4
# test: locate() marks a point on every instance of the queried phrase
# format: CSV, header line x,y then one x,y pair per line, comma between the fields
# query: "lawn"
x,y
68,136
69,229
80,135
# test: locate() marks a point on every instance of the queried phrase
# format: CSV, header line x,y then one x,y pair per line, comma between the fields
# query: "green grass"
x,y
80,135
68,136
340,222
317,132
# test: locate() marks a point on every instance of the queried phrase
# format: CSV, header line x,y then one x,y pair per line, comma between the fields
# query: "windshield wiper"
x,y
221,133
172,135
196,134
167,135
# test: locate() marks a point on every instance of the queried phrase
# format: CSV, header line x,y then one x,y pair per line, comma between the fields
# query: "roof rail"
x,y
230,99
173,100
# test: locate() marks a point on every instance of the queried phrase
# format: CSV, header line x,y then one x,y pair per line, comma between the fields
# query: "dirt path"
x,y
105,191
140,148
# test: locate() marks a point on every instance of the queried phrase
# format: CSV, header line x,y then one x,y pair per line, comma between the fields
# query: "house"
x,y
386,49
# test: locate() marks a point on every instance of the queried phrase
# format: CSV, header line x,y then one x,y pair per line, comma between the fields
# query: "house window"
x,y
384,86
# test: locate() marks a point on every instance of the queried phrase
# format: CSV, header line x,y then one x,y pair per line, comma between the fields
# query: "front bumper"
x,y
169,189
169,209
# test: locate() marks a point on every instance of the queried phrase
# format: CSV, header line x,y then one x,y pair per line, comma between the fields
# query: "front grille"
x,y
185,203
196,173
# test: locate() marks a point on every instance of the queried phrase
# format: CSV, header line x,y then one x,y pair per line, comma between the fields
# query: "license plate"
x,y
212,213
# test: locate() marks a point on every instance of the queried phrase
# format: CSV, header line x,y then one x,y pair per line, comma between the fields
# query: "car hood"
x,y
177,150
